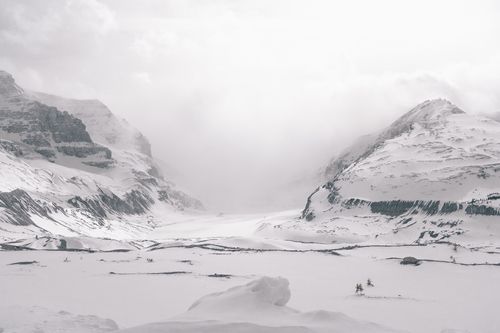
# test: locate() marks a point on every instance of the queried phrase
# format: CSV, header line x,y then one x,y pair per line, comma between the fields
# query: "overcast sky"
x,y
243,95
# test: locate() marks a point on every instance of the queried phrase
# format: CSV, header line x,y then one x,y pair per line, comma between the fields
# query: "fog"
x,y
244,97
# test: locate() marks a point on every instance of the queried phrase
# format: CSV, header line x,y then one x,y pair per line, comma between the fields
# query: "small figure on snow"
x,y
359,289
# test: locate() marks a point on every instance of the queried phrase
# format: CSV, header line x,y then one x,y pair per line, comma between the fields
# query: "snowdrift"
x,y
259,306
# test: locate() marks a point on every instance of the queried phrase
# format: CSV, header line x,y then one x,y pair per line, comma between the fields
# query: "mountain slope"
x,y
431,175
55,179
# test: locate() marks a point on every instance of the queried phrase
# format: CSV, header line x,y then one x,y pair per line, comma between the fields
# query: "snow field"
x,y
431,297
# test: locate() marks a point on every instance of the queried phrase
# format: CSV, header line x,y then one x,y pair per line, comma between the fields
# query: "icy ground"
x,y
454,289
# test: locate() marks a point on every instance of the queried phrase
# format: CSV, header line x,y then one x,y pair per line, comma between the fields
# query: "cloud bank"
x,y
244,96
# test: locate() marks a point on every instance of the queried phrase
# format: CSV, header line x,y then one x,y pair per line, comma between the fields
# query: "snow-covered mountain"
x,y
56,178
431,175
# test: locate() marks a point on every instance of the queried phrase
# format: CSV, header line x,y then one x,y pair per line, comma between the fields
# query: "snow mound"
x,y
37,319
257,307
263,293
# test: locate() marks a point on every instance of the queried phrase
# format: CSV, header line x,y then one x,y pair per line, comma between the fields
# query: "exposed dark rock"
x,y
400,207
494,196
353,202
162,195
450,207
18,205
410,261
64,245
430,207
392,208
42,127
334,191
63,126
49,153
135,203
482,174
25,263
11,147
310,216
92,205
39,139
84,150
481,210
450,224
102,165
139,201
306,212
405,221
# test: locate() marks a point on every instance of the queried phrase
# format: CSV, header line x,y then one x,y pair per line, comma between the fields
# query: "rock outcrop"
x,y
103,126
46,129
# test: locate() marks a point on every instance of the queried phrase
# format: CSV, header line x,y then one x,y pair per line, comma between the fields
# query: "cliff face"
x,y
103,126
45,129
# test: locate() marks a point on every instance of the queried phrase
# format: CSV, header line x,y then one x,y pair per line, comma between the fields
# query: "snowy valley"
x,y
96,238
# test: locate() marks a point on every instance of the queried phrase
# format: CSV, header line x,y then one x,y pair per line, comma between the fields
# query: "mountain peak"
x,y
429,112
8,87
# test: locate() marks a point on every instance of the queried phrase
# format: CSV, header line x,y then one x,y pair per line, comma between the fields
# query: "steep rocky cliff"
x,y
103,126
48,131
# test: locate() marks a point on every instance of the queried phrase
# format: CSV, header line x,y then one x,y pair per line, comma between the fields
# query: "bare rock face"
x,y
410,261
46,129
103,125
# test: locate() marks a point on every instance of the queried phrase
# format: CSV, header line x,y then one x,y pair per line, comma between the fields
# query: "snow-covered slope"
x,y
55,179
428,172
258,306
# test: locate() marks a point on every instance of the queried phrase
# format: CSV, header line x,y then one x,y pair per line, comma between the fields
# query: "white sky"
x,y
244,95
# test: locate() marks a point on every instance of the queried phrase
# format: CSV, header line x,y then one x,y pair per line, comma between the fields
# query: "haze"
x,y
243,97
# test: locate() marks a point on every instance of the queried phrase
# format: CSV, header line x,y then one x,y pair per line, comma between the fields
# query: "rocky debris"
x,y
410,261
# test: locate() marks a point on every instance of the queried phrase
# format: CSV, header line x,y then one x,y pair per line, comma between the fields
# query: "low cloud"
x,y
244,96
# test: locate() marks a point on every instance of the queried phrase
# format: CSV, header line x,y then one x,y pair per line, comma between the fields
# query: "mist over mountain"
x,y
431,174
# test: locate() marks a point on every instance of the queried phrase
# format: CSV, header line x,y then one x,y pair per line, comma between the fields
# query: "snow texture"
x,y
258,306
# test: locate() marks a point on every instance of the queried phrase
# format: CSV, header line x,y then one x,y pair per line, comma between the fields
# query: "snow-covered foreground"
x,y
131,290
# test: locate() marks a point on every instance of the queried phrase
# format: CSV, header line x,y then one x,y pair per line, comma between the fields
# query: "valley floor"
x,y
454,289
132,290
